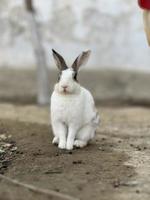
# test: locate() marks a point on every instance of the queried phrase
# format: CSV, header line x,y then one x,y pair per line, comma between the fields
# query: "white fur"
x,y
73,114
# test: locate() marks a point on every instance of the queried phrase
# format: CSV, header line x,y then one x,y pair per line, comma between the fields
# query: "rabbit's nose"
x,y
64,86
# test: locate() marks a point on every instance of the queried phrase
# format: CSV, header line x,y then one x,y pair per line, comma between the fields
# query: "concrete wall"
x,y
112,29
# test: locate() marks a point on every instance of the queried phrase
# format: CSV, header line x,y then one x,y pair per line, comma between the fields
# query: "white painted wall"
x,y
113,29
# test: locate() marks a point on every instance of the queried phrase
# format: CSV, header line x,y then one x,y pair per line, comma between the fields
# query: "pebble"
x,y
14,149
2,151
7,145
137,191
77,162
3,137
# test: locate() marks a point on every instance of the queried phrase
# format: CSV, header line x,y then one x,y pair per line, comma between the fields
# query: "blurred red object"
x,y
144,4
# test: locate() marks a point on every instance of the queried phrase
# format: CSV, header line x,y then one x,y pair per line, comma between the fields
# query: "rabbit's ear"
x,y
81,60
60,62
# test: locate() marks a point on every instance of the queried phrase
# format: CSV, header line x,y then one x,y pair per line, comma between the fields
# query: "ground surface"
x,y
114,166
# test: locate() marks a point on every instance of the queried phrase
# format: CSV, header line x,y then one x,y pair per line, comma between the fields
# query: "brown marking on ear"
x,y
75,76
59,76
74,65
81,60
60,62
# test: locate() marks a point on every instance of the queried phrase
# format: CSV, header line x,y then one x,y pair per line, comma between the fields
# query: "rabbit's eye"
x,y
75,76
59,76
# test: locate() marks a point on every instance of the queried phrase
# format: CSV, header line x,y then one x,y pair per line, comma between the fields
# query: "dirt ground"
x,y
114,166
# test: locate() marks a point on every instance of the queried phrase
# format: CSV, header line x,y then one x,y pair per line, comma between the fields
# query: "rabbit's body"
x,y
73,114
74,108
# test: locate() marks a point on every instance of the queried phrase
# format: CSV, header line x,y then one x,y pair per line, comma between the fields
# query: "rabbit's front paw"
x,y
62,145
80,143
69,146
55,140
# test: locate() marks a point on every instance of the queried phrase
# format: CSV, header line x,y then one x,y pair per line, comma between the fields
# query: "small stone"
x,y
3,137
57,190
137,191
53,172
74,162
7,145
2,151
139,148
130,183
101,149
14,149
77,162
116,184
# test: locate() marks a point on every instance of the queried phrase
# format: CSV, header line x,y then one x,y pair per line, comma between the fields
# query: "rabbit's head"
x,y
67,80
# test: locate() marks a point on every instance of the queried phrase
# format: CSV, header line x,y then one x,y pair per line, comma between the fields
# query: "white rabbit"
x,y
74,117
